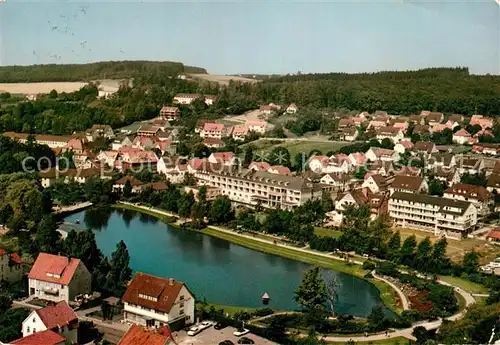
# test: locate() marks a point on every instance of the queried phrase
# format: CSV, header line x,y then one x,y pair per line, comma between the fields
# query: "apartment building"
x,y
253,187
477,195
441,216
52,141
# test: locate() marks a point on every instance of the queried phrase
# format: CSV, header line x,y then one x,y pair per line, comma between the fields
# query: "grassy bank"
x,y
392,341
465,284
167,219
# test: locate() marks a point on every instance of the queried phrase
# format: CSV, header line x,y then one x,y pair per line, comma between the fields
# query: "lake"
x,y
222,272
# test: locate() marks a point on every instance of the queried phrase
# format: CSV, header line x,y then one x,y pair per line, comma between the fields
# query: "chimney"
x,y
171,281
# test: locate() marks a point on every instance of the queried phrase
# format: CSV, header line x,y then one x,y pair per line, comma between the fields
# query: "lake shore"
x,y
388,295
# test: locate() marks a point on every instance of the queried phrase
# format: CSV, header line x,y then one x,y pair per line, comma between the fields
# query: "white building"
x,y
154,302
441,216
59,318
378,153
52,141
11,269
256,126
292,109
461,137
392,133
213,130
408,184
58,278
251,187
477,195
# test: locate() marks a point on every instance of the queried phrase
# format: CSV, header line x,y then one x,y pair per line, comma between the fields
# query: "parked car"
x,y
226,342
245,340
194,330
239,333
205,324
220,325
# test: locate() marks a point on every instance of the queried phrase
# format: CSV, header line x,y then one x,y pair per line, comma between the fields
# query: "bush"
x,y
369,265
387,268
411,315
263,312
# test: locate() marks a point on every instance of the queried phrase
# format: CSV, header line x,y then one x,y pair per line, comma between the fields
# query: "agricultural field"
x,y
36,88
222,79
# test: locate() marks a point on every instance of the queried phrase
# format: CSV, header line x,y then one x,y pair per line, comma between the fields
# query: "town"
x,y
409,202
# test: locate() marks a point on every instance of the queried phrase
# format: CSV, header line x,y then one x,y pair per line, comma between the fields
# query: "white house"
x,y
462,137
376,183
186,98
212,130
403,146
392,133
408,184
256,126
292,109
154,302
11,269
323,164
59,318
349,134
378,153
477,195
58,278
224,158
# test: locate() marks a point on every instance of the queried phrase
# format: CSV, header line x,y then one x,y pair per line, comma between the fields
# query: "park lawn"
x,y
231,310
296,146
387,294
456,249
325,232
392,341
465,284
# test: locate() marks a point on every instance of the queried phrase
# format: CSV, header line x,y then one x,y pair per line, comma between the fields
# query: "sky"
x,y
264,37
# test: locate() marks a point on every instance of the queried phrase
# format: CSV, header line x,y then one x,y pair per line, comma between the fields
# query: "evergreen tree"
x,y
221,211
439,261
127,189
312,290
47,237
248,156
407,252
393,246
423,254
120,270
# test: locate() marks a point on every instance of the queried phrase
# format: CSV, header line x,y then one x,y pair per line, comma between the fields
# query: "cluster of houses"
x,y
212,131
150,303
385,126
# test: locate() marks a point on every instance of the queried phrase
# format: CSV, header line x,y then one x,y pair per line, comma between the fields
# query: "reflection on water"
x,y
221,272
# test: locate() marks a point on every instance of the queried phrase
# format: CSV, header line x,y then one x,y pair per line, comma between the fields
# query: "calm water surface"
x,y
222,272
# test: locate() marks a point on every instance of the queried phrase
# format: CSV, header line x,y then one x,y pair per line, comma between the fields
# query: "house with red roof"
x,y
256,126
462,137
494,235
484,122
213,130
135,183
292,109
40,338
169,113
259,166
239,132
59,318
215,143
156,302
139,335
10,267
279,170
58,278
403,146
479,196
224,158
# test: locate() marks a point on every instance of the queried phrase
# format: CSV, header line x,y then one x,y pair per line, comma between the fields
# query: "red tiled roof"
x,y
133,181
160,185
58,315
279,169
462,133
259,166
14,257
47,337
494,234
61,268
470,191
224,156
412,183
213,127
138,335
164,290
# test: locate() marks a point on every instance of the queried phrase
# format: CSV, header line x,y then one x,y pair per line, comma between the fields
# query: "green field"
x,y
296,146
392,341
465,284
325,232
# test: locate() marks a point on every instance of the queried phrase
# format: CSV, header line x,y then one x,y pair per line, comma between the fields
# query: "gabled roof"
x,y
495,234
160,292
213,127
424,146
493,181
47,337
213,141
149,129
279,169
259,166
388,131
223,156
134,182
54,269
469,191
57,315
462,133
138,335
412,183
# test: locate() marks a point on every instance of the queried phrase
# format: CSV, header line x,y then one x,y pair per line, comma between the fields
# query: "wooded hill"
x,y
449,90
92,71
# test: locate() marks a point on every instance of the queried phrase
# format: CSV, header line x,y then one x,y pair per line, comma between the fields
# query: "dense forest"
x,y
448,90
91,71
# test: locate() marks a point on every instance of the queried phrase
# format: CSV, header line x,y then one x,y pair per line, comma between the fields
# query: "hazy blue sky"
x,y
256,36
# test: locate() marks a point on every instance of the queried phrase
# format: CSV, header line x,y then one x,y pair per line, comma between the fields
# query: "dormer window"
x,y
149,298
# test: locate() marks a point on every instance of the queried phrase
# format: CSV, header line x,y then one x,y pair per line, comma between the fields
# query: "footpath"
x,y
407,332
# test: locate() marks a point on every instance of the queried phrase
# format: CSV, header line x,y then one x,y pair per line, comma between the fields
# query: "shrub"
x,y
368,265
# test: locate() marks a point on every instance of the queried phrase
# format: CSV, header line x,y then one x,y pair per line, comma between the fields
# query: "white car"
x,y
205,324
194,330
240,333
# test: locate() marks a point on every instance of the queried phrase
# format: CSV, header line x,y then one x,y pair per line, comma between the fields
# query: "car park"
x,y
220,325
194,330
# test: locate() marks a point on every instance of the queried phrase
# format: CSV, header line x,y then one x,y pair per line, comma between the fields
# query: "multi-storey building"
x,y
477,195
155,302
443,217
52,141
253,187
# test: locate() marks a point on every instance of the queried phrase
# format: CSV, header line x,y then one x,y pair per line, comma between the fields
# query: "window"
x,y
181,312
28,329
34,320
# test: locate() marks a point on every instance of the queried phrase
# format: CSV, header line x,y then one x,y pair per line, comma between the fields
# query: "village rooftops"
x,y
57,315
424,146
148,129
133,181
450,206
213,127
47,337
139,335
54,269
152,292
412,183
469,191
